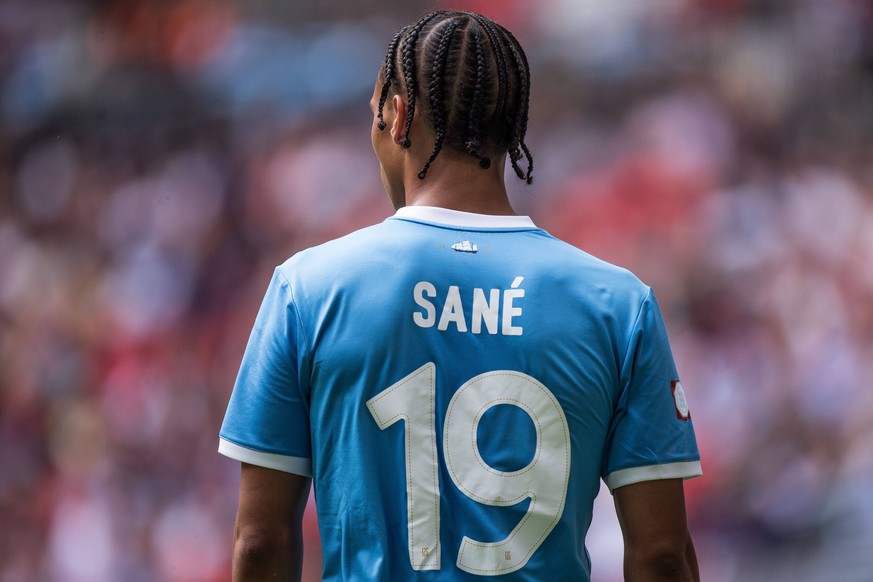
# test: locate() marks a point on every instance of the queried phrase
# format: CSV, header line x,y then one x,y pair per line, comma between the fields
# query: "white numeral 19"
x,y
544,480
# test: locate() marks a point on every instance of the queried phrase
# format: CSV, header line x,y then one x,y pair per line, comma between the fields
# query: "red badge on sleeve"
x,y
679,401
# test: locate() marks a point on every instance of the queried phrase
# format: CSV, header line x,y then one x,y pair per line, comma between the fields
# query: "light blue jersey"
x,y
457,385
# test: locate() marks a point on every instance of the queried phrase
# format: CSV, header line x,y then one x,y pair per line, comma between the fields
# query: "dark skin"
x,y
453,181
657,545
268,534
268,542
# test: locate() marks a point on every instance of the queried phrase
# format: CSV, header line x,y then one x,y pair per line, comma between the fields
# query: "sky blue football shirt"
x,y
457,384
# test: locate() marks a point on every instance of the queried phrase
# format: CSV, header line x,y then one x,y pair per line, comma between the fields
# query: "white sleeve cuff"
x,y
685,470
288,464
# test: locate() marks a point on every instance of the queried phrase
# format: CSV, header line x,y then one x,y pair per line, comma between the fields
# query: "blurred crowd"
x,y
159,158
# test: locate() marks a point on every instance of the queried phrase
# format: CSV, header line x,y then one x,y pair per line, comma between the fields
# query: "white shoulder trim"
x,y
296,465
685,470
449,217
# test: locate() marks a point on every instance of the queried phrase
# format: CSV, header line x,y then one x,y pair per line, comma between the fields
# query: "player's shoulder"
x,y
594,271
336,255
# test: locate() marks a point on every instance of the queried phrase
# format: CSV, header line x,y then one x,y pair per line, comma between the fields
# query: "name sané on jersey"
x,y
499,308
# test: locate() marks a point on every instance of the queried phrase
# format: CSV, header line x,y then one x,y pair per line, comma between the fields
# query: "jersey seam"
x,y
301,330
300,327
633,329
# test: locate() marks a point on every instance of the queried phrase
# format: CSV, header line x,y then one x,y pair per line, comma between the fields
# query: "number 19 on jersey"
x,y
544,480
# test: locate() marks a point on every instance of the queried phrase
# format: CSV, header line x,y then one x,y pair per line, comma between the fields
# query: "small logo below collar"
x,y
465,246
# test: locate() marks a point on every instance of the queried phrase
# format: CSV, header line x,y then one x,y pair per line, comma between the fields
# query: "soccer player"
x,y
456,381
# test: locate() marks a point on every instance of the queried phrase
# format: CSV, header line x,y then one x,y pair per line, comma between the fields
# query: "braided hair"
x,y
473,80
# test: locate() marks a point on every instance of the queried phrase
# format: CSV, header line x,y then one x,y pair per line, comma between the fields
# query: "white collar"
x,y
449,217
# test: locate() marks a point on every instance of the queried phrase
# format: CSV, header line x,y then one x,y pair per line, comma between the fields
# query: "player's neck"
x,y
460,186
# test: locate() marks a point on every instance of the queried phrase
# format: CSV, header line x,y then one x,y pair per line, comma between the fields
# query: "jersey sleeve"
x,y
267,418
651,435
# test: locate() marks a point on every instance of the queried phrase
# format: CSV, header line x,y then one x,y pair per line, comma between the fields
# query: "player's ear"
x,y
398,126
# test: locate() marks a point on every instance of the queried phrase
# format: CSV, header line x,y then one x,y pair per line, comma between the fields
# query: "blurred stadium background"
x,y
159,158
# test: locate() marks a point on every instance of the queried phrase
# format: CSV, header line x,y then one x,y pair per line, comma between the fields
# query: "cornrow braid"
x,y
390,55
498,56
519,123
525,105
435,92
409,71
474,121
513,148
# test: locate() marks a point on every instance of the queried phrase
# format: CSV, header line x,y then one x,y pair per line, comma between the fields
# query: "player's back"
x,y
475,367
465,379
